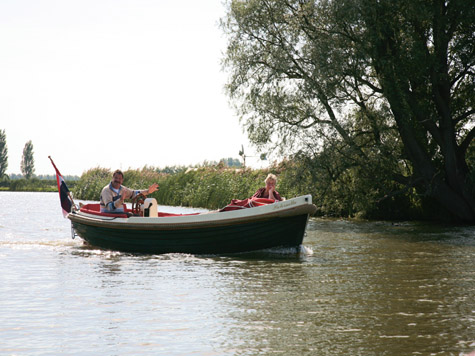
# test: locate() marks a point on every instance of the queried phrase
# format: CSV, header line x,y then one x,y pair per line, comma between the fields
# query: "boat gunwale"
x,y
297,207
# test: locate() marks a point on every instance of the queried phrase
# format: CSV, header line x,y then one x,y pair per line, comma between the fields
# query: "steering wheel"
x,y
138,200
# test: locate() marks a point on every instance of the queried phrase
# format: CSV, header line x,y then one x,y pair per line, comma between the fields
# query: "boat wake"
x,y
306,251
18,244
299,250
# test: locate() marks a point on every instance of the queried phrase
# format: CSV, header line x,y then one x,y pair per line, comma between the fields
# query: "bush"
x,y
209,187
337,189
91,183
29,185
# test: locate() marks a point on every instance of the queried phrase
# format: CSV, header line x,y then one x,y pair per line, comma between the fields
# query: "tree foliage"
x,y
27,161
90,184
3,154
384,88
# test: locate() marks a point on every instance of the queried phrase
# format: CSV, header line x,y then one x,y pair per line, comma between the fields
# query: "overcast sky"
x,y
115,84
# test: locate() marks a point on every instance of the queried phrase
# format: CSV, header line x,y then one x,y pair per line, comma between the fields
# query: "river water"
x,y
355,288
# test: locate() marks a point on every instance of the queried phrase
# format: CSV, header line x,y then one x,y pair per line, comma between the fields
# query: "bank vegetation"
x,y
338,188
349,193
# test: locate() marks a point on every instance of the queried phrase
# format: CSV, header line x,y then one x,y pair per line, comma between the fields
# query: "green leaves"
x,y
304,74
27,161
3,154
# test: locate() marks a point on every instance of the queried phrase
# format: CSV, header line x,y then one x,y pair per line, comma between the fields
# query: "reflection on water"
x,y
355,288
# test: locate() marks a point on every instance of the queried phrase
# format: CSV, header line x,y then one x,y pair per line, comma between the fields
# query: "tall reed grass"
x,y
206,187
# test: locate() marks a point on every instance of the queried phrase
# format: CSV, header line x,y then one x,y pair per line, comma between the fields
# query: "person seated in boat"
x,y
268,191
114,194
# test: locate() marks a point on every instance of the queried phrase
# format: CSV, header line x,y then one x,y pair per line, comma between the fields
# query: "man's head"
x,y
117,179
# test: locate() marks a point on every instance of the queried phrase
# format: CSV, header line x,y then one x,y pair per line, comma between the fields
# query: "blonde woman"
x,y
268,191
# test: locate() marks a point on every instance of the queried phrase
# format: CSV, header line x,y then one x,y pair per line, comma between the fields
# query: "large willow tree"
x,y
394,80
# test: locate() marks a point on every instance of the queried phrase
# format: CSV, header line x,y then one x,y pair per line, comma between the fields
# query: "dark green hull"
x,y
279,231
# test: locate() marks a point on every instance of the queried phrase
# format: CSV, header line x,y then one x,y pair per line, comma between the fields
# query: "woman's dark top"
x,y
261,193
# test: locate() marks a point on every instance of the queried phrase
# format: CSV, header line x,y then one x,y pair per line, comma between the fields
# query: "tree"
x,y
231,162
391,80
3,154
27,161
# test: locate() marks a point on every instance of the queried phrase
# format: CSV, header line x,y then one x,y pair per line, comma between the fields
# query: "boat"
x,y
259,224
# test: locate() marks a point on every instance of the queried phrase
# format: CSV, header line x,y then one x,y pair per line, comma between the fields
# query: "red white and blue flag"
x,y
64,197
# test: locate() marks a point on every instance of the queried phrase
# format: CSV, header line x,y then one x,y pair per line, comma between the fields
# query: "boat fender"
x,y
150,208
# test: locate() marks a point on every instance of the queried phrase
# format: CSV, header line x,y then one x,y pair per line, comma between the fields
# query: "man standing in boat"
x,y
114,194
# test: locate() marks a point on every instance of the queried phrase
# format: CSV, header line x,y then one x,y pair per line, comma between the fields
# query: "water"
x,y
367,288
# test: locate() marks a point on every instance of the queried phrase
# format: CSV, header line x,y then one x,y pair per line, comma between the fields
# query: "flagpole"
x,y
69,193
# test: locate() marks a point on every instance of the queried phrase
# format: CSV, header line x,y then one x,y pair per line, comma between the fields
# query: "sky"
x,y
116,84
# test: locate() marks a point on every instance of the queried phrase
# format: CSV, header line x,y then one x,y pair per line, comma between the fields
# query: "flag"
x,y
63,190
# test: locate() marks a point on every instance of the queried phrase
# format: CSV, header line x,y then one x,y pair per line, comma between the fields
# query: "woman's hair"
x,y
271,176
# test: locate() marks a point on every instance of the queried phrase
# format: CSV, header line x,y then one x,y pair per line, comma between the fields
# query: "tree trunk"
x,y
401,80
